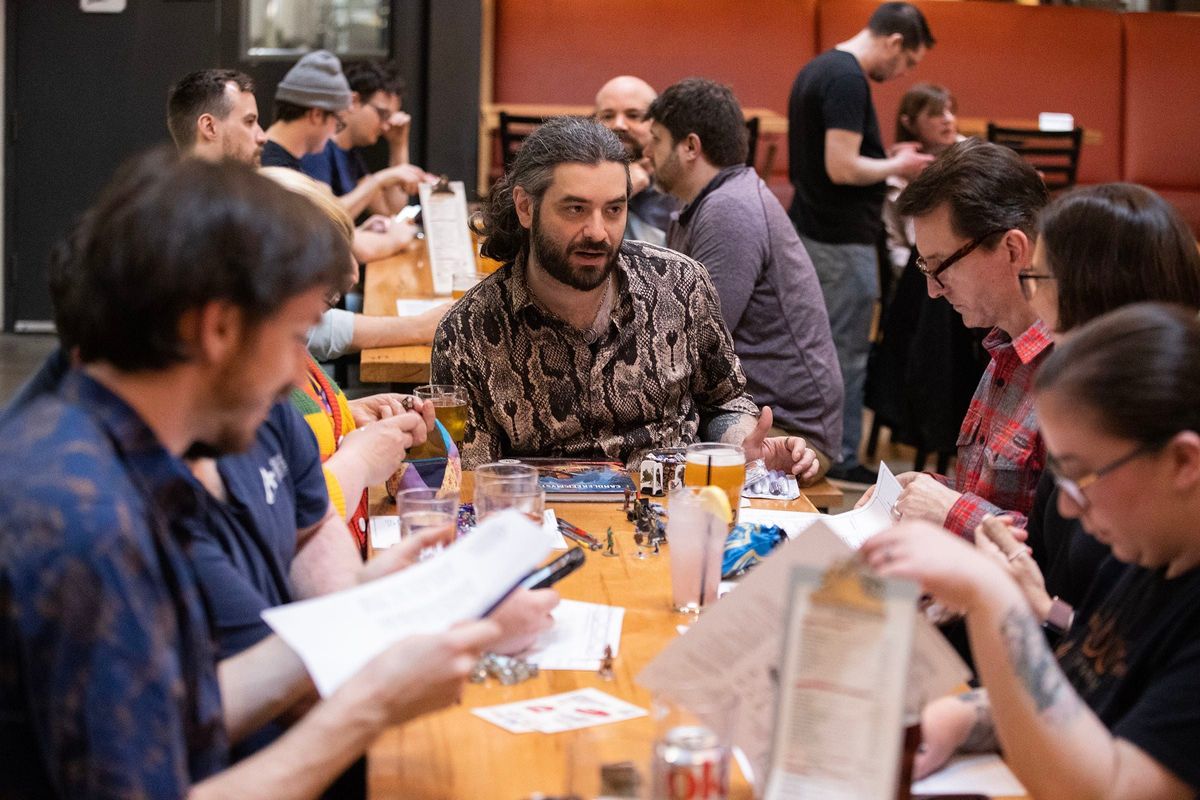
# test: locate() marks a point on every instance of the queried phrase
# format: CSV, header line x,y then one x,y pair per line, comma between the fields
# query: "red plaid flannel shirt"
x,y
1000,452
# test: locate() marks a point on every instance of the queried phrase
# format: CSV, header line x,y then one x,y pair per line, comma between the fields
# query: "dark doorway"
x,y
85,91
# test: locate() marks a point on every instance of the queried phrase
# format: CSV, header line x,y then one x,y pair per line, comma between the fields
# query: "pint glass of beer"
x,y
717,464
450,407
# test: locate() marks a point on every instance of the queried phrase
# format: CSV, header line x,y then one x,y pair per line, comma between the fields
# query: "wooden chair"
x,y
752,141
513,130
1055,154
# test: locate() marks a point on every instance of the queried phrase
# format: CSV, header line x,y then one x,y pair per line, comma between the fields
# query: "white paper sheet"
x,y
554,537
854,526
736,644
447,238
977,774
384,530
336,635
577,640
842,680
411,306
582,708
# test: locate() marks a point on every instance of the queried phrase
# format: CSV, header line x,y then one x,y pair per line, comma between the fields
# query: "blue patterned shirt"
x,y
108,686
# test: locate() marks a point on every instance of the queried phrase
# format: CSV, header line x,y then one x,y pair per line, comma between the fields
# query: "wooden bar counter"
x,y
406,274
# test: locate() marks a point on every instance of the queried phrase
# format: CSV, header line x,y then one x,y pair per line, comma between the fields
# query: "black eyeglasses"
x,y
950,260
1074,488
339,123
1029,282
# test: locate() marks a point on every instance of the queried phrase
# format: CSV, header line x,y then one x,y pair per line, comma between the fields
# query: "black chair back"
x,y
752,140
514,128
1055,154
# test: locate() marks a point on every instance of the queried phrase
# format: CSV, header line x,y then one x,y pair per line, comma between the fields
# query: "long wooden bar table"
x,y
456,755
406,274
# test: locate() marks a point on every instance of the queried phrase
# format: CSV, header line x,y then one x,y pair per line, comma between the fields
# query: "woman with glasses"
x,y
1099,248
1114,711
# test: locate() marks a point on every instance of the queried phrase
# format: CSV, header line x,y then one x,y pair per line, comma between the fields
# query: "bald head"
x,y
621,106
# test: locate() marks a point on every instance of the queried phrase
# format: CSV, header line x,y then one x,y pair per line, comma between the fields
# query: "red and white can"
x,y
690,763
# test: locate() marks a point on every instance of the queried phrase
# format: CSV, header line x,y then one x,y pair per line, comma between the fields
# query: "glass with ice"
x,y
697,524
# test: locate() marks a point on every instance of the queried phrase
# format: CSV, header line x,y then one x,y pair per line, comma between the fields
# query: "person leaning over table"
x,y
1099,248
191,289
1114,711
583,345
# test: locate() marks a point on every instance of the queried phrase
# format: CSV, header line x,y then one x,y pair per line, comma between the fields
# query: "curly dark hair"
x,y
560,140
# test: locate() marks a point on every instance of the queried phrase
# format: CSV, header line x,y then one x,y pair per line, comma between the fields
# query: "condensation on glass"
x,y
288,28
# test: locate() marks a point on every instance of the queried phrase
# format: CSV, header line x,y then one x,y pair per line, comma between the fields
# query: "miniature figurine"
x,y
625,506
610,550
606,664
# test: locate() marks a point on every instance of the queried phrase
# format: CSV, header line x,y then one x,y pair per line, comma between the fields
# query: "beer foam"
x,y
721,458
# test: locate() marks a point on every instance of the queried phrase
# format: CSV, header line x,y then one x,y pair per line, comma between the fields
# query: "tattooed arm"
x,y
1050,738
731,427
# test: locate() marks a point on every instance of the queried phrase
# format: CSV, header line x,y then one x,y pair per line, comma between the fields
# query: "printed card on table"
x,y
582,708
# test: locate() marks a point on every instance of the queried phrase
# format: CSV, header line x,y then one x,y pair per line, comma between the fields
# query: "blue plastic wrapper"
x,y
748,544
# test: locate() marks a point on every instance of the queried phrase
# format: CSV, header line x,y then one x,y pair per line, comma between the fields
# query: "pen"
x,y
577,534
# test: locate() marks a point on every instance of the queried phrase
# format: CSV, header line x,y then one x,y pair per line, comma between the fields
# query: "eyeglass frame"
x,y
1073,488
339,124
1028,275
383,113
954,257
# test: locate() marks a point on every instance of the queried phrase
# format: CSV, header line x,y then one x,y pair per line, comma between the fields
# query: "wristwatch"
x,y
1058,619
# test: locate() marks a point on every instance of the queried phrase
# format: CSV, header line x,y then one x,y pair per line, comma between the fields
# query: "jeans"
x,y
849,276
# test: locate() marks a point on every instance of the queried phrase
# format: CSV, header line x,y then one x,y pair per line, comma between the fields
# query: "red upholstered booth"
x,y
1130,78
1010,62
562,51
1162,107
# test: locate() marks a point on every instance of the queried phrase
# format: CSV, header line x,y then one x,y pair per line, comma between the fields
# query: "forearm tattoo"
x,y
731,427
982,736
1036,667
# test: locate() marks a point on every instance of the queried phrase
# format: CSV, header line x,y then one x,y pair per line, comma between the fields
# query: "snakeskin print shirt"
x,y
539,387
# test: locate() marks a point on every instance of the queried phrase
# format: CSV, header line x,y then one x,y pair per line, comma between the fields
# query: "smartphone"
x,y
544,577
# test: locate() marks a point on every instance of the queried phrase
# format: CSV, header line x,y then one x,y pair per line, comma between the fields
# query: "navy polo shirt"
x,y
243,548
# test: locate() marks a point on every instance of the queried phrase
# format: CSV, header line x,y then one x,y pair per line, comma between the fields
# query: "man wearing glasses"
x,y
310,107
374,112
974,211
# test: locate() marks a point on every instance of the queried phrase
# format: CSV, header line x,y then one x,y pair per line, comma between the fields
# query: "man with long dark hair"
x,y
583,345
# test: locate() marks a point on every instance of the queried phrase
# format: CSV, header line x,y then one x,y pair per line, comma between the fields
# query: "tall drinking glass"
x,y
511,470
518,494
421,510
695,543
717,464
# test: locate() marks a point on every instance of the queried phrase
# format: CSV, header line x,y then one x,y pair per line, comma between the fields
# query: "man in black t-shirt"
x,y
837,165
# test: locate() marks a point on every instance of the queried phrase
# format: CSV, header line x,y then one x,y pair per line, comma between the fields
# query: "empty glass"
x,y
421,510
517,493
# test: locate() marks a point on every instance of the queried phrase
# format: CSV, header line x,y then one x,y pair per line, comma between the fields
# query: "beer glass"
x,y
717,464
449,406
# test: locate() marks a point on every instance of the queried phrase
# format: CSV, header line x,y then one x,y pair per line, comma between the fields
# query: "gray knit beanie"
x,y
316,81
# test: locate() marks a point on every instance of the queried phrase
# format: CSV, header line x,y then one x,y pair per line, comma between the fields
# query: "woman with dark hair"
x,y
1115,710
927,364
1099,248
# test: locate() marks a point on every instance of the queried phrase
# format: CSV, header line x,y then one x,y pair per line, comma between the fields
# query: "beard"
x,y
632,147
556,260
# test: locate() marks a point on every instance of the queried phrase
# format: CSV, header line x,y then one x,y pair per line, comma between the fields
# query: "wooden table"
x,y
404,275
453,754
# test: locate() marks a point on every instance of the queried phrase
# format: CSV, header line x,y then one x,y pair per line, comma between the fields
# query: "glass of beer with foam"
x,y
717,464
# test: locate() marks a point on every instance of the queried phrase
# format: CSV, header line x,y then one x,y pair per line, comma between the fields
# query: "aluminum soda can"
x,y
690,763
